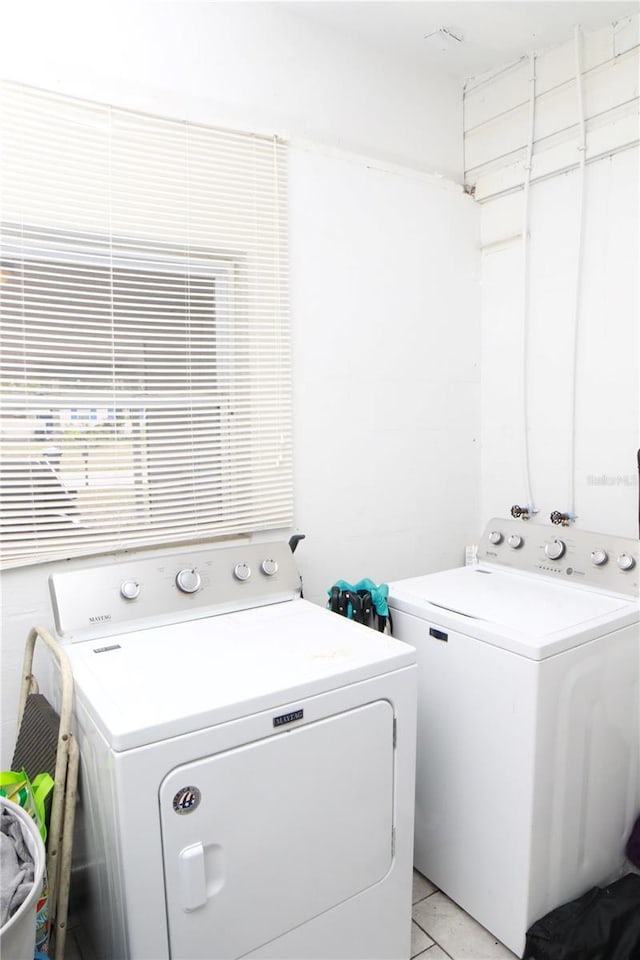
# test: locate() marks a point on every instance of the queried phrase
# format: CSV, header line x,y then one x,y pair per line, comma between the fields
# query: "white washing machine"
x,y
247,762
528,750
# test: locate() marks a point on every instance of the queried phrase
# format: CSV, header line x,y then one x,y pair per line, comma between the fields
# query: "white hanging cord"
x,y
525,283
582,150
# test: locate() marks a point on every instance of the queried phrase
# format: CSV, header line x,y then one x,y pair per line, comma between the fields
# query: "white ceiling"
x,y
494,32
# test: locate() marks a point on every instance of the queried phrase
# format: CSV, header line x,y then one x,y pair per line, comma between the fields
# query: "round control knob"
x,y
188,580
269,567
242,571
515,541
626,562
130,589
554,549
495,537
599,557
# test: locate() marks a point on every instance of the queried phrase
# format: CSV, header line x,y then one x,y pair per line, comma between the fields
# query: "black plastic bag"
x,y
604,924
633,844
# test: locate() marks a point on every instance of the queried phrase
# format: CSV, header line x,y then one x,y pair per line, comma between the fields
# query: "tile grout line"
x,y
435,942
426,897
443,949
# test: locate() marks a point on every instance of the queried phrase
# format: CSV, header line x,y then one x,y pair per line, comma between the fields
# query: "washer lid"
x,y
153,684
524,613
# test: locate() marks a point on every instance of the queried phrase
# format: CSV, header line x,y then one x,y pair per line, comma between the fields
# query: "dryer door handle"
x,y
193,886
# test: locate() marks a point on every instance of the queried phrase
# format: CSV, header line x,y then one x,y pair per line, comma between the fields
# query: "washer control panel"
x,y
133,594
595,559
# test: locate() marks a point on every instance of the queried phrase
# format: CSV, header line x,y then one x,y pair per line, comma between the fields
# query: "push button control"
x,y
130,589
242,571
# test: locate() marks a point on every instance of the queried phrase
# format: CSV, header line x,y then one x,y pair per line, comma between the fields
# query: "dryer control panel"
x,y
134,594
593,559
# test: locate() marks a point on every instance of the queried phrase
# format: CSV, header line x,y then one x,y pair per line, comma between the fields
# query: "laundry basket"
x,y
18,934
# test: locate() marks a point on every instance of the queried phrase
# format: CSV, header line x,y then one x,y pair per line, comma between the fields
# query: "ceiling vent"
x,y
444,39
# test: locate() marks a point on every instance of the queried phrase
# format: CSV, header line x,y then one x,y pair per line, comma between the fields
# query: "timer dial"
x,y
188,580
554,549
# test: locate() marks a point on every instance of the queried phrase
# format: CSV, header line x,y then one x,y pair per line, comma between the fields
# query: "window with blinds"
x,y
145,350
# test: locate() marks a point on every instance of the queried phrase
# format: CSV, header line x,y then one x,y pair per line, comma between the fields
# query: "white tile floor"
x,y
440,928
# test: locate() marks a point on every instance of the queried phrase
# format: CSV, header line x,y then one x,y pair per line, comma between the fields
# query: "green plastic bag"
x,y
30,795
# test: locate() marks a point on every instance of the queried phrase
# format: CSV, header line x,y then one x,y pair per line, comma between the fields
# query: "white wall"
x,y
497,108
384,305
607,421
245,65
386,343
607,385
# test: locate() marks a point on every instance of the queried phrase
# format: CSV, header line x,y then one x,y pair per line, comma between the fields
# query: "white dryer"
x,y
247,762
528,756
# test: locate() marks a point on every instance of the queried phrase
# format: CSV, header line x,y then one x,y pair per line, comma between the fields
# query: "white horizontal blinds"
x,y
145,352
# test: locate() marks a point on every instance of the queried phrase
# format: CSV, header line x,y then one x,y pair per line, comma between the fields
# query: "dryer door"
x,y
277,832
